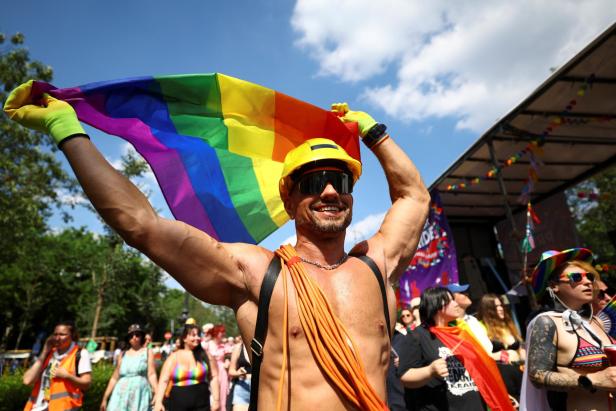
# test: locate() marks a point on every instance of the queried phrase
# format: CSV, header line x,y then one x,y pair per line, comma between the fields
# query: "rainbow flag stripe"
x,y
215,143
608,316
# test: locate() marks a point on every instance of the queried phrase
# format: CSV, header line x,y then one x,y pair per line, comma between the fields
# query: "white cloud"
x,y
291,240
363,229
72,199
472,60
147,182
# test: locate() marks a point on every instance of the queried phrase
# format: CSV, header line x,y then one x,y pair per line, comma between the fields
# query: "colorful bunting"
x,y
528,243
534,149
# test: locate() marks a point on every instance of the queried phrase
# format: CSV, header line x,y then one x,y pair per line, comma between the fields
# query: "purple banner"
x,y
435,259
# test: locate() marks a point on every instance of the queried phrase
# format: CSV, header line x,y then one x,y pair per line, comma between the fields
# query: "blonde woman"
x,y
566,368
507,344
506,339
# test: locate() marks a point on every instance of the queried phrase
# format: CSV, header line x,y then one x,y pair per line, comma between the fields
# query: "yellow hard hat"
x,y
313,150
190,321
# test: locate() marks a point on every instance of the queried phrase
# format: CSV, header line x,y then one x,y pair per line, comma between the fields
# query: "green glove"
x,y
364,121
55,117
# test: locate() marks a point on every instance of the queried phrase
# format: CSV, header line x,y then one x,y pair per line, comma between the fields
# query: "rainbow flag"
x,y
215,143
608,317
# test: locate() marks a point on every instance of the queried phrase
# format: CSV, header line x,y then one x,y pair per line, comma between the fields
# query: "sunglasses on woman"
x,y
603,294
575,278
315,182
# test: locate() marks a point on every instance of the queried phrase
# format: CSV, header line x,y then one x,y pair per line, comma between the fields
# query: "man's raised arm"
x,y
399,234
202,265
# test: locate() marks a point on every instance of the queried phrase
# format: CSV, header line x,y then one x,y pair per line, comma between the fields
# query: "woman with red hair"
x,y
217,349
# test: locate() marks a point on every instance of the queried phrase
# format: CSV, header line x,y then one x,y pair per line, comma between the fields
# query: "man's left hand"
x,y
59,372
364,121
49,115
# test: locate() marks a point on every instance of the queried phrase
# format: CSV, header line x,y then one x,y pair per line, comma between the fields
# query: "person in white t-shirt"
x,y
460,294
61,373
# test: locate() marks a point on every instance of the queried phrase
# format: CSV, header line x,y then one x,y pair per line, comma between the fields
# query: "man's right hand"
x,y
54,117
439,368
50,343
604,379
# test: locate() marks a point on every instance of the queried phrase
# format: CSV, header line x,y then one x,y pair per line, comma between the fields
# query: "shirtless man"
x,y
566,363
231,274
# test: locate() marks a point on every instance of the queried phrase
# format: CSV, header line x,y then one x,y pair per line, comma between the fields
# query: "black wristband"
x,y
374,135
65,139
584,382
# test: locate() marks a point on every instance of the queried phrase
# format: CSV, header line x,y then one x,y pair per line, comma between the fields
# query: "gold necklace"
x,y
326,266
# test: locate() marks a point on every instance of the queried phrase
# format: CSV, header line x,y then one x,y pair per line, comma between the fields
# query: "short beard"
x,y
331,226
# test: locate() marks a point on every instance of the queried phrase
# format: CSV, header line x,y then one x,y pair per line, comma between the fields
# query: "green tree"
x,y
173,304
32,179
96,279
106,279
58,284
596,216
40,287
32,182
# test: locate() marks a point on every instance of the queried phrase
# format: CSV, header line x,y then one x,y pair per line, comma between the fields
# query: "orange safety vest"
x,y
64,396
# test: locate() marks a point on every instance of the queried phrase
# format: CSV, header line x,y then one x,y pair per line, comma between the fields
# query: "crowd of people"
x,y
435,350
562,365
202,369
321,318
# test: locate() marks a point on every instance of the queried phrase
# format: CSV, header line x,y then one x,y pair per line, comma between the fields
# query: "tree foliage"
x,y
596,217
202,313
71,274
31,178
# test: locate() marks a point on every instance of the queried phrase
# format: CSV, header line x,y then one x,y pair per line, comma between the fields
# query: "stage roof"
x,y
581,146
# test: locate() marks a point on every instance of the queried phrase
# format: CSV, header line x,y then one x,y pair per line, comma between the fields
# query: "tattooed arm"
x,y
541,362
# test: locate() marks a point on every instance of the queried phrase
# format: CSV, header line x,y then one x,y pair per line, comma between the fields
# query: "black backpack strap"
x,y
377,273
77,359
257,343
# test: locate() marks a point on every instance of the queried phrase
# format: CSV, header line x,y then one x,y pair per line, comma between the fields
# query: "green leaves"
x,y
596,218
73,274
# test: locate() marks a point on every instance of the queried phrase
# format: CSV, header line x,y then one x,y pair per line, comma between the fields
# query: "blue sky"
x,y
437,73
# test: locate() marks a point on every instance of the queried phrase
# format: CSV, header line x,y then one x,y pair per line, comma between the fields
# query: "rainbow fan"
x,y
608,316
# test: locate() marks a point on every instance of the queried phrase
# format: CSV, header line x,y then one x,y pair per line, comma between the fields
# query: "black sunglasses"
x,y
315,182
602,294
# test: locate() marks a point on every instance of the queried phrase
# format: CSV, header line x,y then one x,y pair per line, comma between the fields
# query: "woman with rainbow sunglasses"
x,y
567,368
